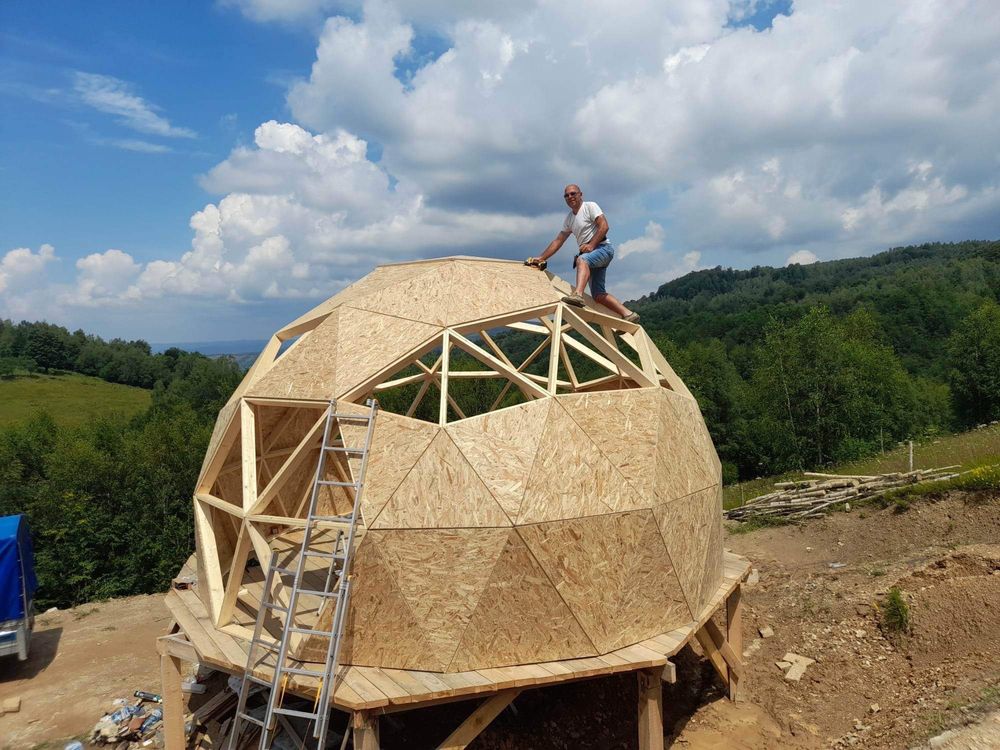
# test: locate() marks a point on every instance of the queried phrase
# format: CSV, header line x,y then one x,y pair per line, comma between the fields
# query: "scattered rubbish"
x,y
838,565
875,708
11,705
754,578
151,697
191,685
182,583
766,632
128,725
74,745
796,665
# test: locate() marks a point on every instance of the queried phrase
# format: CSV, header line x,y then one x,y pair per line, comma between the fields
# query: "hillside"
x,y
71,399
918,295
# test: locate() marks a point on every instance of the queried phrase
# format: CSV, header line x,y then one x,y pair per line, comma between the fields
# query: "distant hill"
x,y
917,294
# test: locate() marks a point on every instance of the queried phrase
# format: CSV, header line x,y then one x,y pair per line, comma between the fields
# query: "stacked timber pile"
x,y
811,496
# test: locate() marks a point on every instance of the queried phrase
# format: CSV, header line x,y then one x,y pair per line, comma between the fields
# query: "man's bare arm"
x,y
553,247
599,236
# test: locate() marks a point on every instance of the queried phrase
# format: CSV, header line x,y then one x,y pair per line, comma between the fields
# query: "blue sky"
x,y
198,171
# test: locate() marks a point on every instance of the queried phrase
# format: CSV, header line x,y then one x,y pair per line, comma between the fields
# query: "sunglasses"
x,y
569,195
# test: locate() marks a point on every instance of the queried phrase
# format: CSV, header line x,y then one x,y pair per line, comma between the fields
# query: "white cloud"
x,y
802,258
650,242
116,97
21,263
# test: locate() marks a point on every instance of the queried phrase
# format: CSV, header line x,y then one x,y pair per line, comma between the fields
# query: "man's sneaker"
x,y
632,318
574,299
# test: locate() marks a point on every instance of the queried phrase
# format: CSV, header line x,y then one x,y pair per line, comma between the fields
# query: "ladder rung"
x,y
252,719
307,631
344,449
333,519
278,607
352,417
283,571
326,555
293,712
312,592
329,483
258,680
272,645
304,672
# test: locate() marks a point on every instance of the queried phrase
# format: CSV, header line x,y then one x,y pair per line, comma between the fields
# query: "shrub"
x,y
895,613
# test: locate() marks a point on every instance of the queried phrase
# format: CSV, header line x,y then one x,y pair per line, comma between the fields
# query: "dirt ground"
x,y
819,589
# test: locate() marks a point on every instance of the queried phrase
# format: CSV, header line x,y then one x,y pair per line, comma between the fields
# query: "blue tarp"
x,y
16,560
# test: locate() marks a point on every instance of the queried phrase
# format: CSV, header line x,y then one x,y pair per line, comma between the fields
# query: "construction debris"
x,y
796,665
810,497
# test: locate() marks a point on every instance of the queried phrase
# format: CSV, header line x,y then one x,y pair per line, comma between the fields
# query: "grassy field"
x,y
969,450
70,398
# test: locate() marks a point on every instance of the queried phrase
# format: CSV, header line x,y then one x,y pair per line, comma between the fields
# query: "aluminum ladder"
x,y
336,592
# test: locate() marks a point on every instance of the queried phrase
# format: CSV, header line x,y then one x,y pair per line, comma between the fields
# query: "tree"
x,y
974,358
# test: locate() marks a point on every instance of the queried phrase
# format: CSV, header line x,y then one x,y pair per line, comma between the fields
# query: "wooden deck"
x,y
386,690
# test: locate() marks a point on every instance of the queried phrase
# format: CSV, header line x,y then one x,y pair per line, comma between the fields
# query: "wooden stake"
x,y
650,708
734,634
173,702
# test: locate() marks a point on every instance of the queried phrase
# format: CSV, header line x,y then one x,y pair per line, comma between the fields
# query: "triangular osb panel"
x,y
427,295
521,618
624,425
680,468
343,351
570,476
692,530
533,288
397,443
441,491
381,277
441,573
226,416
380,628
614,573
697,432
501,447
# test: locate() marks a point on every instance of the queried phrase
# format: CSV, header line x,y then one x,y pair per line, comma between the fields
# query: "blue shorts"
x,y
598,260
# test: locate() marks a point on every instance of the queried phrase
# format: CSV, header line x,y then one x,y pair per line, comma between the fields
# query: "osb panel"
x,y
521,619
533,287
226,415
683,459
701,440
614,573
291,428
377,279
428,296
441,573
307,371
380,629
570,476
229,484
332,501
625,424
441,491
692,530
345,349
501,447
397,443
370,342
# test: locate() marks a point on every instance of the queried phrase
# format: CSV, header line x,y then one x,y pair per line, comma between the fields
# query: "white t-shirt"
x,y
583,224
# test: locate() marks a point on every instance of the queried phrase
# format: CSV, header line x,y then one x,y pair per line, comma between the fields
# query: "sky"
x,y
209,171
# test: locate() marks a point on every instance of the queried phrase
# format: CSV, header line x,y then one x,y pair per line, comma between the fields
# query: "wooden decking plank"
x,y
383,682
202,641
369,693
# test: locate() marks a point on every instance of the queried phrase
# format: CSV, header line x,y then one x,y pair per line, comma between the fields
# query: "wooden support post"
x,y
173,702
651,708
734,634
478,720
365,729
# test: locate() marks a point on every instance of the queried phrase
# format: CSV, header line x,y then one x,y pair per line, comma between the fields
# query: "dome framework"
x,y
588,490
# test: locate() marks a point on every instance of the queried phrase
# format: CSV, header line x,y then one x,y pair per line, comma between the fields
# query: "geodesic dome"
x,y
541,485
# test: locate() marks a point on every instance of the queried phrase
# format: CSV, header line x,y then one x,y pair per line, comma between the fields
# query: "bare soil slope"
x,y
820,584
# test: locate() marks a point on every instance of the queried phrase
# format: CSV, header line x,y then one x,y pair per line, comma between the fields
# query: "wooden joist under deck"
x,y
387,690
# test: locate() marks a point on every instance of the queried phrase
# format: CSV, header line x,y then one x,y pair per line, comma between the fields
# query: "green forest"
x,y
794,368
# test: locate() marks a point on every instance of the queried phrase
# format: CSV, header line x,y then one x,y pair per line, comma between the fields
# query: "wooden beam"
x,y
666,371
473,726
734,635
217,502
248,444
493,345
443,382
733,661
650,708
290,466
408,380
507,319
641,345
610,321
235,580
207,479
365,729
528,327
299,327
419,397
297,402
590,354
554,349
414,354
210,557
601,344
529,388
173,702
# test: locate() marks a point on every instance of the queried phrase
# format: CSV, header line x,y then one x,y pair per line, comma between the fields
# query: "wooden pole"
x,y
650,708
911,455
365,725
173,702
734,635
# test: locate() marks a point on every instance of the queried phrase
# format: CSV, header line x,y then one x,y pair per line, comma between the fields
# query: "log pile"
x,y
818,492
